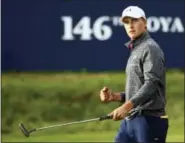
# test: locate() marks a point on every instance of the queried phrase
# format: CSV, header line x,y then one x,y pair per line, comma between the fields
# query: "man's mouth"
x,y
132,31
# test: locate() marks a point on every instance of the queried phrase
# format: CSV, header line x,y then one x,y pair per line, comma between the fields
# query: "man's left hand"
x,y
122,111
119,113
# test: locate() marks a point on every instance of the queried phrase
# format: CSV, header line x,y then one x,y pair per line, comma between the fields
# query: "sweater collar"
x,y
140,39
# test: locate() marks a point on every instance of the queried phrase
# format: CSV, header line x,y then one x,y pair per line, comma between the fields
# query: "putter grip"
x,y
105,117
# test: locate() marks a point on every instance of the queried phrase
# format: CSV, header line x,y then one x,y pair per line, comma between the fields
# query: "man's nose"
x,y
131,26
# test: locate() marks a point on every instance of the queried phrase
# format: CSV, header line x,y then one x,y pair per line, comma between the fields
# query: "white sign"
x,y
101,28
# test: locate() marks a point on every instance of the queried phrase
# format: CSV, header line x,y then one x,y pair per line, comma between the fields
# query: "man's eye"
x,y
126,21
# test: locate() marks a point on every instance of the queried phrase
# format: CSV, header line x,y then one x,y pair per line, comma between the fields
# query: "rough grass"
x,y
48,98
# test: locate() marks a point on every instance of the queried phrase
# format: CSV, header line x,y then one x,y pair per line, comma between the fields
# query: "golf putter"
x,y
27,132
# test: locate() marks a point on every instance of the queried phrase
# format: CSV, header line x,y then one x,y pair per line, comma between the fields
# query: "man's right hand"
x,y
106,95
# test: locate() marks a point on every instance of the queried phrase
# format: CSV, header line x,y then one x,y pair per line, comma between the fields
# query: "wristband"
x,y
122,96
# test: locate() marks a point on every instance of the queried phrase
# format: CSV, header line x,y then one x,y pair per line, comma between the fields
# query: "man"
x,y
143,111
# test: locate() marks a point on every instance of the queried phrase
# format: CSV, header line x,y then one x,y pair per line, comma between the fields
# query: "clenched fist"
x,y
106,95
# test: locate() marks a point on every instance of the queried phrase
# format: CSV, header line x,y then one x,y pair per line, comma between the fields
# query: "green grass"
x,y
50,88
80,133
75,137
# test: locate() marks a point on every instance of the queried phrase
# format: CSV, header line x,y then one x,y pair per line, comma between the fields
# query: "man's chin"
x,y
132,37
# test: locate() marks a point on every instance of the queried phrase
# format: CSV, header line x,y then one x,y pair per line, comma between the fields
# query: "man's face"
x,y
134,27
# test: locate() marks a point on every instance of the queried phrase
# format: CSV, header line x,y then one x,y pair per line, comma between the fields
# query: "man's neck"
x,y
141,35
139,39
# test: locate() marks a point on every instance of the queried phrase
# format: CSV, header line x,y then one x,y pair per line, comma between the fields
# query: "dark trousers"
x,y
143,129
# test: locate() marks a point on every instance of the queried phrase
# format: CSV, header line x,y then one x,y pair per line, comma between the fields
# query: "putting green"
x,y
73,137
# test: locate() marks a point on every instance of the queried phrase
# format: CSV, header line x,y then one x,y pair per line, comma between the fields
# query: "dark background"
x,y
32,31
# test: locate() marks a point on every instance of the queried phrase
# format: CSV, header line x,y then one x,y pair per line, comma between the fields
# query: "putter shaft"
x,y
76,122
27,132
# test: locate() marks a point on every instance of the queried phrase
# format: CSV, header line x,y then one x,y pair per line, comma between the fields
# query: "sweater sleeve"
x,y
153,69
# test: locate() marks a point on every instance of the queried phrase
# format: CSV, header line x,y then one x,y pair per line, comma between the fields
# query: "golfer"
x,y
143,110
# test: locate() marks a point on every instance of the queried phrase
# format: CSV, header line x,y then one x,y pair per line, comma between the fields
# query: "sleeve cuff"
x,y
135,102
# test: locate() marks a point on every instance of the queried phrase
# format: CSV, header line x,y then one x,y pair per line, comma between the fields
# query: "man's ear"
x,y
145,21
145,24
